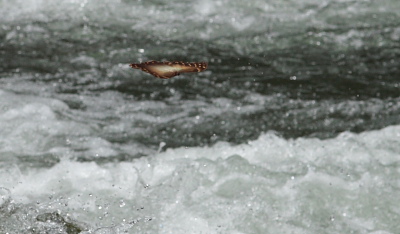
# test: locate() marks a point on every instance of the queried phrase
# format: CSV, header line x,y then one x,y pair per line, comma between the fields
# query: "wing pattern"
x,y
166,70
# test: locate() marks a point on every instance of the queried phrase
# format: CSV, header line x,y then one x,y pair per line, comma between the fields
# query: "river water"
x,y
293,128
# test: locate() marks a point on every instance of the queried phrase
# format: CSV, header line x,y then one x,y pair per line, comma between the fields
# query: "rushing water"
x,y
294,127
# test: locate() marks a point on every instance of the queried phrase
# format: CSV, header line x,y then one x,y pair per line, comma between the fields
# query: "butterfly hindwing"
x,y
166,70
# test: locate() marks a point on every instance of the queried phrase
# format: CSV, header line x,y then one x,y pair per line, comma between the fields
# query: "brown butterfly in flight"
x,y
166,70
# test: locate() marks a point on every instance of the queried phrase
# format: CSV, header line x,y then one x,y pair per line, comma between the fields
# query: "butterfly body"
x,y
166,70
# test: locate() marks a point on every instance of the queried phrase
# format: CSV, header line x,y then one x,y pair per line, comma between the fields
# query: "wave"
x,y
302,185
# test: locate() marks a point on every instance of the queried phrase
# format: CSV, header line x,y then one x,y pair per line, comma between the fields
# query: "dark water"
x,y
326,69
293,128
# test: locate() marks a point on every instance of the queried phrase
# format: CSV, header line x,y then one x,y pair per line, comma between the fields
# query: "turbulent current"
x,y
293,128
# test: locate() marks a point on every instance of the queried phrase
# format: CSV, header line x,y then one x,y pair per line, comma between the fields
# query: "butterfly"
x,y
166,70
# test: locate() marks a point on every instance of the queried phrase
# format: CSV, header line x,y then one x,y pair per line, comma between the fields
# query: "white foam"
x,y
28,124
269,184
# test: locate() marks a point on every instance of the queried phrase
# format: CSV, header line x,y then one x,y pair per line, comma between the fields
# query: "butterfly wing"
x,y
182,67
166,70
163,71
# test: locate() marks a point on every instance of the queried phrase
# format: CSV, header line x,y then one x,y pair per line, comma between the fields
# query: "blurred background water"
x,y
294,127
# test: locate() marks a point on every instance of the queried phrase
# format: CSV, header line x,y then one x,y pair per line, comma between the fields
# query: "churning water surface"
x,y
294,127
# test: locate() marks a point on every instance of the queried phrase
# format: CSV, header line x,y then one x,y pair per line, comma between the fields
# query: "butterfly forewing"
x,y
166,70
